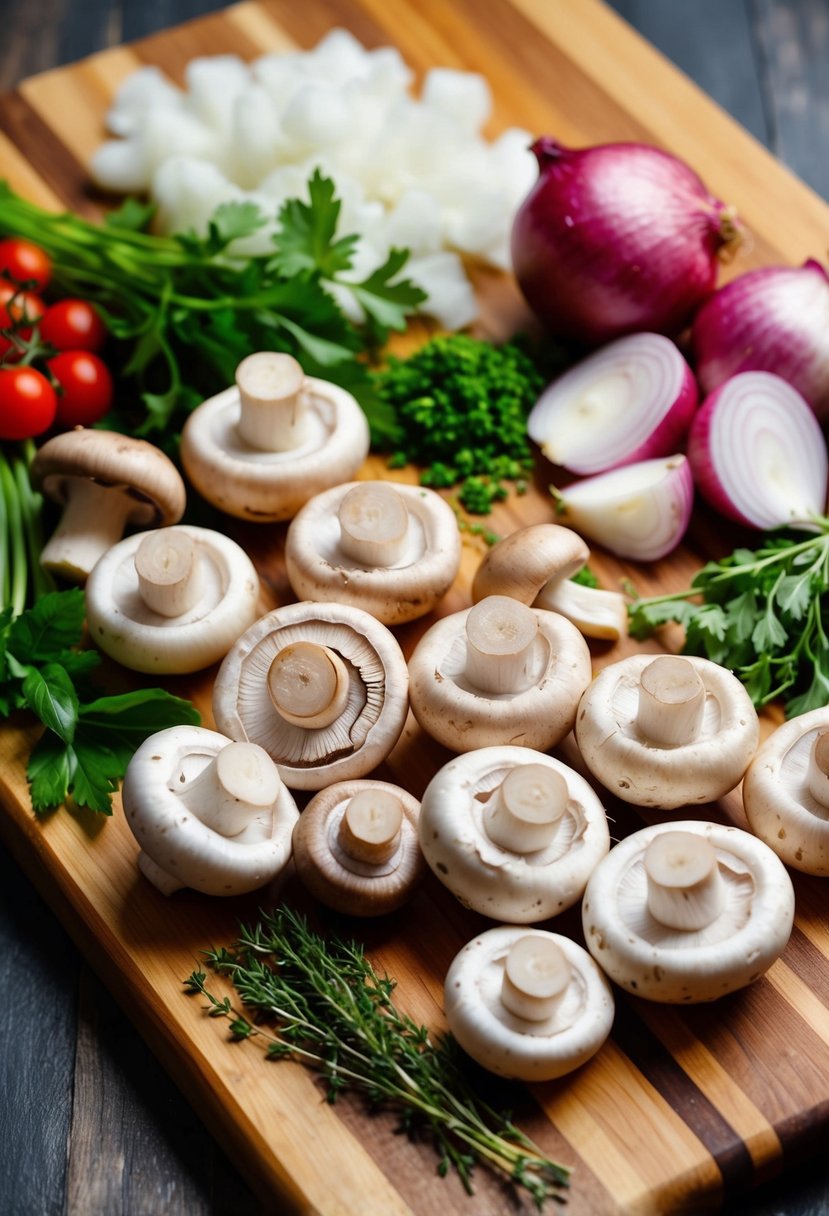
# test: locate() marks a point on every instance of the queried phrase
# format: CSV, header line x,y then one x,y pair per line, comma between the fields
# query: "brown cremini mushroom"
x,y
356,849
393,550
104,481
322,687
498,673
263,447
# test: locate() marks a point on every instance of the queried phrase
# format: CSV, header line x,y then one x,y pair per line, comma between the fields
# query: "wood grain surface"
x,y
681,1107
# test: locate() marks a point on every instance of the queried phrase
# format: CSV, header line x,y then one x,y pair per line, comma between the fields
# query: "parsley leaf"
x,y
305,238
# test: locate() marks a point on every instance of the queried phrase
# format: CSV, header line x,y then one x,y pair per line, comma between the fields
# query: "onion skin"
x,y
775,319
617,238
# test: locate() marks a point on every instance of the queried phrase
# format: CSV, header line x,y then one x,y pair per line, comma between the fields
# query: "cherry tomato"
x,y
28,403
73,325
25,262
26,307
86,386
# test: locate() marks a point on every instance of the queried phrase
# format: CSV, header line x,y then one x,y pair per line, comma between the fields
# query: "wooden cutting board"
x,y
680,1107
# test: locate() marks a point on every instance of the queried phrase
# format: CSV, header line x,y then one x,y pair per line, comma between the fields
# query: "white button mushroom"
x,y
530,1005
104,481
535,565
688,911
667,731
322,687
356,848
786,792
263,447
393,550
171,601
513,834
498,673
208,813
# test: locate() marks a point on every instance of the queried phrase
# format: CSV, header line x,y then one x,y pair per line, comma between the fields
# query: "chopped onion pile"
x,y
629,401
411,173
775,319
758,454
640,511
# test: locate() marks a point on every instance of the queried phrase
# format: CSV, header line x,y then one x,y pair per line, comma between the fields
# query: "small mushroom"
x,y
667,731
322,687
530,1005
263,447
688,911
513,834
786,792
171,601
104,481
535,565
208,813
498,673
356,849
392,550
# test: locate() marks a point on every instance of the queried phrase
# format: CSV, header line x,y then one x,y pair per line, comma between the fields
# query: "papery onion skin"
x,y
775,319
617,238
797,418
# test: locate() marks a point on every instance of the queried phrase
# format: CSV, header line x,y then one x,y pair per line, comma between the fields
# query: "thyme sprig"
x,y
330,1010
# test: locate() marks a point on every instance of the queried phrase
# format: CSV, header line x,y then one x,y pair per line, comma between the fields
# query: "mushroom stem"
x,y
817,775
240,781
523,812
595,611
274,414
308,685
536,976
671,702
685,889
167,566
500,633
370,828
374,525
165,882
93,521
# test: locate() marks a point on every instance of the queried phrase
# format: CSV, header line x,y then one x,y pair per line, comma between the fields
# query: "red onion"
x,y
617,238
630,400
758,454
773,320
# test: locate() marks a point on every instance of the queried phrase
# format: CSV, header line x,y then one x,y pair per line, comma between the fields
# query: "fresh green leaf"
x,y
51,771
50,695
305,238
386,302
43,633
96,775
131,216
126,720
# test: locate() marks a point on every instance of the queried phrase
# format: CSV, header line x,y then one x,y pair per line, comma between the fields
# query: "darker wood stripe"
x,y
806,961
51,159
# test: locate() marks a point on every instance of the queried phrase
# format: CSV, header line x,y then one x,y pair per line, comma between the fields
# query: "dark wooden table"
x,y
90,1125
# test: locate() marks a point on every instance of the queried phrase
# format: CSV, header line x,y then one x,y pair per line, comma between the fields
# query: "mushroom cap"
x,y
462,718
779,806
375,712
355,888
131,633
648,775
141,471
318,569
509,1045
687,966
524,562
520,888
262,486
177,841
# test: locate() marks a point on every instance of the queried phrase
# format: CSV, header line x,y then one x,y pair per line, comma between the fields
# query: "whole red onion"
x,y
616,239
773,320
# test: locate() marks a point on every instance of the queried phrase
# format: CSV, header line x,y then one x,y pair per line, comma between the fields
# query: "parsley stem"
x,y
16,562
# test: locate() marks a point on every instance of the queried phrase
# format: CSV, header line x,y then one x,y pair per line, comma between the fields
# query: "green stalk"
x,y
31,505
5,538
16,556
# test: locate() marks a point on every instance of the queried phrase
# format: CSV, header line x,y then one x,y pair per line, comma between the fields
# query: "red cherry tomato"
x,y
28,403
73,325
26,307
24,262
86,387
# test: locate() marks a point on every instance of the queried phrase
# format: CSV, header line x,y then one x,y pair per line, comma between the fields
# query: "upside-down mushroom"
x,y
322,687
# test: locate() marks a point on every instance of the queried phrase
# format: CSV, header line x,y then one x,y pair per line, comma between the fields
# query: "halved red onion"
x,y
776,320
758,454
640,511
631,400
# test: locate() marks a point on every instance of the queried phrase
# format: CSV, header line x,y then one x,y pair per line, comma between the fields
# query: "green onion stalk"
x,y
21,535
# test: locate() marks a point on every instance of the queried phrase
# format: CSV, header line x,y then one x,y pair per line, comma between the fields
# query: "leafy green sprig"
x,y
333,1012
763,613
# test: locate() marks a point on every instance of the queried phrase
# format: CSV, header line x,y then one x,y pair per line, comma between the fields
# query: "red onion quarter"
x,y
617,238
774,320
758,454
